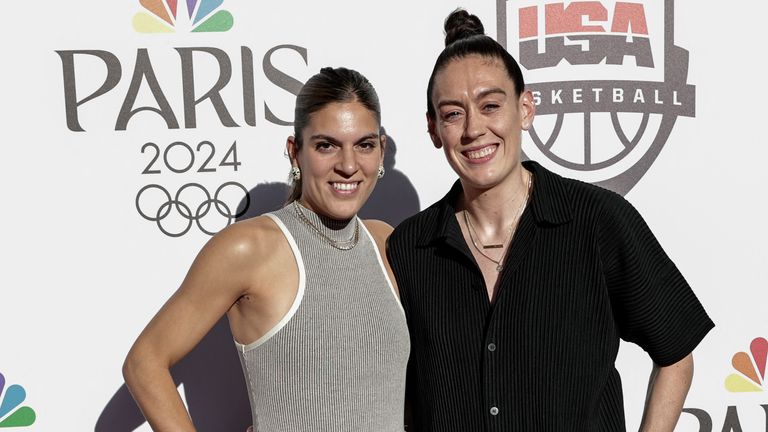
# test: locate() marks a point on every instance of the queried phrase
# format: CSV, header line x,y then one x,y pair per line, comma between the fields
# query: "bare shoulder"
x,y
244,241
380,230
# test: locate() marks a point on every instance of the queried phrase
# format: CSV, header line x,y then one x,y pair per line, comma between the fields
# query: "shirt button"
x,y
494,411
491,347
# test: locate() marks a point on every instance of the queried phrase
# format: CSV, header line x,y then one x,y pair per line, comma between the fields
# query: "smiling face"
x,y
339,159
479,120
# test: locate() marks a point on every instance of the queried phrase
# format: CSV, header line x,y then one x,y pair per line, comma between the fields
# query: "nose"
x,y
473,125
347,162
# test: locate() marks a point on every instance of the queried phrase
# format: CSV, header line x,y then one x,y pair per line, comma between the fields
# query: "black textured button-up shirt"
x,y
583,271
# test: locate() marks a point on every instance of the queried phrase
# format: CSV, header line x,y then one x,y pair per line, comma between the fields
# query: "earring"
x,y
295,173
381,171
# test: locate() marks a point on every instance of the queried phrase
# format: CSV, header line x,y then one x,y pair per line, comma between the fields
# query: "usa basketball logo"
x,y
608,81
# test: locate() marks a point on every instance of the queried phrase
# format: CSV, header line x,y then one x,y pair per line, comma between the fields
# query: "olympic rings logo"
x,y
195,212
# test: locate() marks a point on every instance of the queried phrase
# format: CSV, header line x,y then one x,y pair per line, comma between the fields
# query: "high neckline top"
x,y
341,231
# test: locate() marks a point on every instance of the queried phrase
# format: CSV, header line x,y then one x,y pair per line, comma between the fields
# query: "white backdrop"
x,y
83,271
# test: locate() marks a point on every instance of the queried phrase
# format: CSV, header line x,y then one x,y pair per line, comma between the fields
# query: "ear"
x,y
527,110
292,150
432,135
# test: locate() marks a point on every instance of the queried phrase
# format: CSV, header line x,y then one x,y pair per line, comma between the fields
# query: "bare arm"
x,y
667,389
213,284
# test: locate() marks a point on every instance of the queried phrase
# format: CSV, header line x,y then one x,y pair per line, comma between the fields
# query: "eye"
x,y
491,106
324,146
451,115
367,145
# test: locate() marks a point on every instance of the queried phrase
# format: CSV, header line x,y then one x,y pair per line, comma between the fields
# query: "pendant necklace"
x,y
512,228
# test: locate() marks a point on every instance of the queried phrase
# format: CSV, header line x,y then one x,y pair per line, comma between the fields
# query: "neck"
x,y
494,209
329,226
327,220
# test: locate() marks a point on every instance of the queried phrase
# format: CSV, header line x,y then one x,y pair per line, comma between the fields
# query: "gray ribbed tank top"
x,y
337,359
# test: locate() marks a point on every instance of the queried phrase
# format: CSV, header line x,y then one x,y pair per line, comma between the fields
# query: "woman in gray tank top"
x,y
310,298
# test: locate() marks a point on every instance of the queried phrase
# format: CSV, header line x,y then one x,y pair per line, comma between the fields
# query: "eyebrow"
x,y
480,95
333,140
491,91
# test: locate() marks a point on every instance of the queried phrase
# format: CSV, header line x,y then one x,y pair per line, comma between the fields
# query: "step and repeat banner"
x,y
133,131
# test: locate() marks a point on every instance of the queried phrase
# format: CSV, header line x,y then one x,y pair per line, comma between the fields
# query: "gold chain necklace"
x,y
512,228
338,244
471,228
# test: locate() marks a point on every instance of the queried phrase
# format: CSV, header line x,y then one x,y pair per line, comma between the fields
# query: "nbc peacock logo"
x,y
751,368
10,399
167,16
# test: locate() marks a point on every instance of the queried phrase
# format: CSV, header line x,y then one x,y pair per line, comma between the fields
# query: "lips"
x,y
480,154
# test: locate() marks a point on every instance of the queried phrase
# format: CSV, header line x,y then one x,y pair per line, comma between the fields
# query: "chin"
x,y
480,181
343,215
342,211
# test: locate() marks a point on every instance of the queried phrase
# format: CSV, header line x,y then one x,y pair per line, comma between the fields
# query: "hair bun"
x,y
460,24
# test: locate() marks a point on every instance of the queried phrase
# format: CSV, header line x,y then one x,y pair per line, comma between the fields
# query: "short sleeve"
x,y
652,303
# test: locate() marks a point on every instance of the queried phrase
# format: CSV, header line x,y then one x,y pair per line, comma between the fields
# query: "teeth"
x,y
477,154
345,186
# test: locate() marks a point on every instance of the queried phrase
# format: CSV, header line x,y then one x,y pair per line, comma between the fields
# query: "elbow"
x,y
131,369
140,365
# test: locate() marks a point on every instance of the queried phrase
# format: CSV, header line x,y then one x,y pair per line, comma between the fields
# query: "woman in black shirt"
x,y
519,283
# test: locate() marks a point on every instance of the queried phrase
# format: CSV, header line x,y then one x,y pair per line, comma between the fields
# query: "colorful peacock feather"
x,y
161,16
11,399
751,368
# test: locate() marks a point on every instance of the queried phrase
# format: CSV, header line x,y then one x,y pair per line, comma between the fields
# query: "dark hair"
x,y
465,36
328,86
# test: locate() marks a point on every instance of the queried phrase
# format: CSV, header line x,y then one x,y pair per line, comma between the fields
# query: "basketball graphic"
x,y
627,87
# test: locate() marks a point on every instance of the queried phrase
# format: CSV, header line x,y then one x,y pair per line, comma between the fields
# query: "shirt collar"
x,y
549,202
